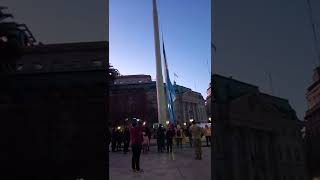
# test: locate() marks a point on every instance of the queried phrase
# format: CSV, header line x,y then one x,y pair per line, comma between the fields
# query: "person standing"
x,y
169,135
148,132
136,145
113,139
119,139
190,135
196,136
207,134
179,136
161,138
126,139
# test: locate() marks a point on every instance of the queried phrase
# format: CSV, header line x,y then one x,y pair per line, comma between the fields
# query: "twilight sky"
x,y
58,21
255,37
187,35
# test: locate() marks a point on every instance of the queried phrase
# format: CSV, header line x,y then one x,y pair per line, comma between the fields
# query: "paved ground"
x,y
179,165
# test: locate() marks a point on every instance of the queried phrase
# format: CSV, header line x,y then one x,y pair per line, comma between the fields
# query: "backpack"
x,y
179,133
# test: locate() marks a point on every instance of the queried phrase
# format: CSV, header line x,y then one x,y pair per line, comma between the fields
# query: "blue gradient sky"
x,y
186,25
255,37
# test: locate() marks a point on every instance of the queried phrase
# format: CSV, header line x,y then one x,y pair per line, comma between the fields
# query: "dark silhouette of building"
x,y
312,122
256,135
54,111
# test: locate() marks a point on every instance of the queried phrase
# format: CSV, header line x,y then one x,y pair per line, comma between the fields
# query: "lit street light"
x,y
191,120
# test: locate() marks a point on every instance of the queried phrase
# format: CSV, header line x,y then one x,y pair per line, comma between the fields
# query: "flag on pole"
x,y
171,95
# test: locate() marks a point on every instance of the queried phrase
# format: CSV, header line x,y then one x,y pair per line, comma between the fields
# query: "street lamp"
x,y
144,123
184,124
191,120
119,127
167,122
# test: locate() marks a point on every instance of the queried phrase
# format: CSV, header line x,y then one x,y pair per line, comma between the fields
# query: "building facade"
x,y
312,122
139,93
257,136
53,106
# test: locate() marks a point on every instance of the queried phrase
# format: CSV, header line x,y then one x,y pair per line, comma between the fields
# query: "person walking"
x,y
126,140
169,136
196,136
136,145
207,134
179,136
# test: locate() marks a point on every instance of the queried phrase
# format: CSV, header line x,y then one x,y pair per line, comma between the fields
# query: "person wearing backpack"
x,y
179,137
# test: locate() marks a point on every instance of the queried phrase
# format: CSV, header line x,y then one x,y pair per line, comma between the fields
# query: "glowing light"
x,y
144,123
185,124
119,127
191,120
167,122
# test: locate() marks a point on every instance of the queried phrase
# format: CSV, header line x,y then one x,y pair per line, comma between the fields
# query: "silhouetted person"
x,y
136,145
119,140
169,136
113,140
148,133
126,139
108,138
189,135
161,138
207,134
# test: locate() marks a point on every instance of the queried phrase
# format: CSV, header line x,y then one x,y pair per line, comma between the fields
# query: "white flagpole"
x,y
162,108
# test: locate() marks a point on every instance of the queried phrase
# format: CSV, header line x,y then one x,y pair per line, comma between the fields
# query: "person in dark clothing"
x,y
136,145
113,139
169,135
148,133
161,138
108,138
119,140
126,139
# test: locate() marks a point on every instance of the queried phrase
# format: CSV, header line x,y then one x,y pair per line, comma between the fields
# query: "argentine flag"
x,y
171,95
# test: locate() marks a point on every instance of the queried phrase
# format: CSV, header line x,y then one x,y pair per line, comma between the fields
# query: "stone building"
x,y
140,97
312,122
257,136
54,111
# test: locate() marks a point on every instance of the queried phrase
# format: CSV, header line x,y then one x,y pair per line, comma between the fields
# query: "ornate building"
x,y
139,93
312,122
257,136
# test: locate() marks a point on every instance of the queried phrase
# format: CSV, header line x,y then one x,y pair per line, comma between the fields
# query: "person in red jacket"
x,y
136,140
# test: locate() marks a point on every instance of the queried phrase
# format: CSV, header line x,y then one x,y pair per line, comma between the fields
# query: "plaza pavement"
x,y
179,165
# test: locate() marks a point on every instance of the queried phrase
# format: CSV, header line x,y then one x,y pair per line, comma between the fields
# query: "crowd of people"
x,y
138,137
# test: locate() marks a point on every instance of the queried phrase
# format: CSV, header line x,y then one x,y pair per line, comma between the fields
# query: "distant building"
x,y
257,136
140,97
312,122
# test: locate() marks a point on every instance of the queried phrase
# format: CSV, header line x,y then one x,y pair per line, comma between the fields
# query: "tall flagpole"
x,y
162,108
